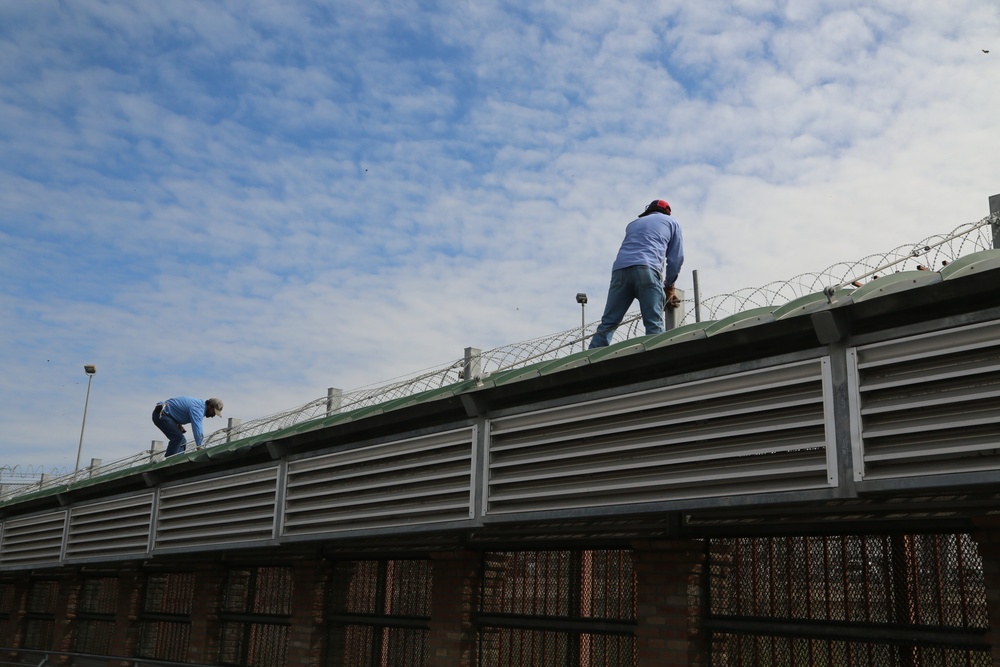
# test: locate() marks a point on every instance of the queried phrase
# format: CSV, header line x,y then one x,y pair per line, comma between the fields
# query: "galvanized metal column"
x,y
995,210
471,365
234,425
334,399
672,317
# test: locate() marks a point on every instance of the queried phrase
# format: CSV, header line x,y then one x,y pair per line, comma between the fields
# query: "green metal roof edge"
x,y
893,283
976,262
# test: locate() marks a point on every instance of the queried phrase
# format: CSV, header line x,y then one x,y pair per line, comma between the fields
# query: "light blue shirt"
x,y
655,241
187,410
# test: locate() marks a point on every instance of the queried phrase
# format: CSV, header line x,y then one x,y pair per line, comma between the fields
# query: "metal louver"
x,y
928,404
110,529
408,482
218,511
33,540
759,431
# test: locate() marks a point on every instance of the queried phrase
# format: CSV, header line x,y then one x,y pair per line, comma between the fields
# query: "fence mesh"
x,y
165,623
256,610
379,610
862,585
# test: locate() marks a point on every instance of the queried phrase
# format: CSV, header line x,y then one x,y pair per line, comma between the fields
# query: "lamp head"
x,y
581,298
90,369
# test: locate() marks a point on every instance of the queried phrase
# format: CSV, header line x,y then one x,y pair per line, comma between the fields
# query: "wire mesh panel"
x,y
256,617
379,613
7,612
518,647
736,650
165,625
568,584
40,616
883,596
912,579
367,645
97,610
589,595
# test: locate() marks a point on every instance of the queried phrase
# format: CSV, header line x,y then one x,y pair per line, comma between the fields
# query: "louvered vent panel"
x,y
110,529
929,404
33,540
410,482
218,511
760,431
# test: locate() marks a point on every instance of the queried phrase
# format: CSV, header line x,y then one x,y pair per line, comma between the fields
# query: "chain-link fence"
x,y
867,600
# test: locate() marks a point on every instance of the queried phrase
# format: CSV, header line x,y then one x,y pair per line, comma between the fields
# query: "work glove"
x,y
672,300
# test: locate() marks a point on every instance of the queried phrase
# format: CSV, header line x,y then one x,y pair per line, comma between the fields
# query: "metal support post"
x,y
672,317
156,451
697,297
334,400
995,210
234,425
470,366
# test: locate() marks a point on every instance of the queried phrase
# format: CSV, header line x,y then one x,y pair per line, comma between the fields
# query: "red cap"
x,y
661,205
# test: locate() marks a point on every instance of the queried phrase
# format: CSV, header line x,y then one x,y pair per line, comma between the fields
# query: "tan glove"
x,y
672,300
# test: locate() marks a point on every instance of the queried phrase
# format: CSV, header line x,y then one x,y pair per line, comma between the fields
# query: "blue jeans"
x,y
171,429
628,284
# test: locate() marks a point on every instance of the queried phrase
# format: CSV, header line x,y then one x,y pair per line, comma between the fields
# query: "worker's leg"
x,y
172,430
620,297
651,298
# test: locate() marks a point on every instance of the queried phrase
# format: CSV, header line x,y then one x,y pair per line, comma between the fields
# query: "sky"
x,y
260,200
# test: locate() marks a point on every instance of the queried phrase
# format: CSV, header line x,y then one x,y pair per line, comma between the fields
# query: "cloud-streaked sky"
x,y
259,200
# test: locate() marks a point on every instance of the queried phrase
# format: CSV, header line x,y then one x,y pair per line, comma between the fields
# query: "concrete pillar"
x,y
670,592
455,598
92,468
156,451
471,365
334,400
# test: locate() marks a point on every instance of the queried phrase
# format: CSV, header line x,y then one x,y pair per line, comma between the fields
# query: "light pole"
x,y
90,370
581,299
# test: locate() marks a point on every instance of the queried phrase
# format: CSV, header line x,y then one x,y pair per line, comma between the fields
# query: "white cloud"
x,y
256,202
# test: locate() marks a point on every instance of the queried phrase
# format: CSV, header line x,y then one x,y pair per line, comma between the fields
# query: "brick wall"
x,y
454,600
670,593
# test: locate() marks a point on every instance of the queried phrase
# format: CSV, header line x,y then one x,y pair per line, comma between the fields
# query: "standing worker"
x,y
171,415
646,268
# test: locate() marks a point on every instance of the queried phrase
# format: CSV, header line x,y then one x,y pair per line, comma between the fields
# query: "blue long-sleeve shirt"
x,y
187,410
655,241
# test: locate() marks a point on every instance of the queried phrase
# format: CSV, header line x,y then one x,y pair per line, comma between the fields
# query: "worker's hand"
x,y
181,427
672,300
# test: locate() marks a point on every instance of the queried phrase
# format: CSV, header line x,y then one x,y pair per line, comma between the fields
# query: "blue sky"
x,y
259,200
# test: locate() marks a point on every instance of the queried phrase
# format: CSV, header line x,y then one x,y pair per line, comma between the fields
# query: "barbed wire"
x,y
934,251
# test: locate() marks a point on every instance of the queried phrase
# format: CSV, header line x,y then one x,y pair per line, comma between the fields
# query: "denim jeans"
x,y
628,284
172,430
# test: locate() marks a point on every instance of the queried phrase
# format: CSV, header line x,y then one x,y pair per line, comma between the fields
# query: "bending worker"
x,y
171,415
646,268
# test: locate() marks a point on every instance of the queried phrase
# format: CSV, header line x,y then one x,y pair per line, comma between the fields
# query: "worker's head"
x,y
657,206
213,407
